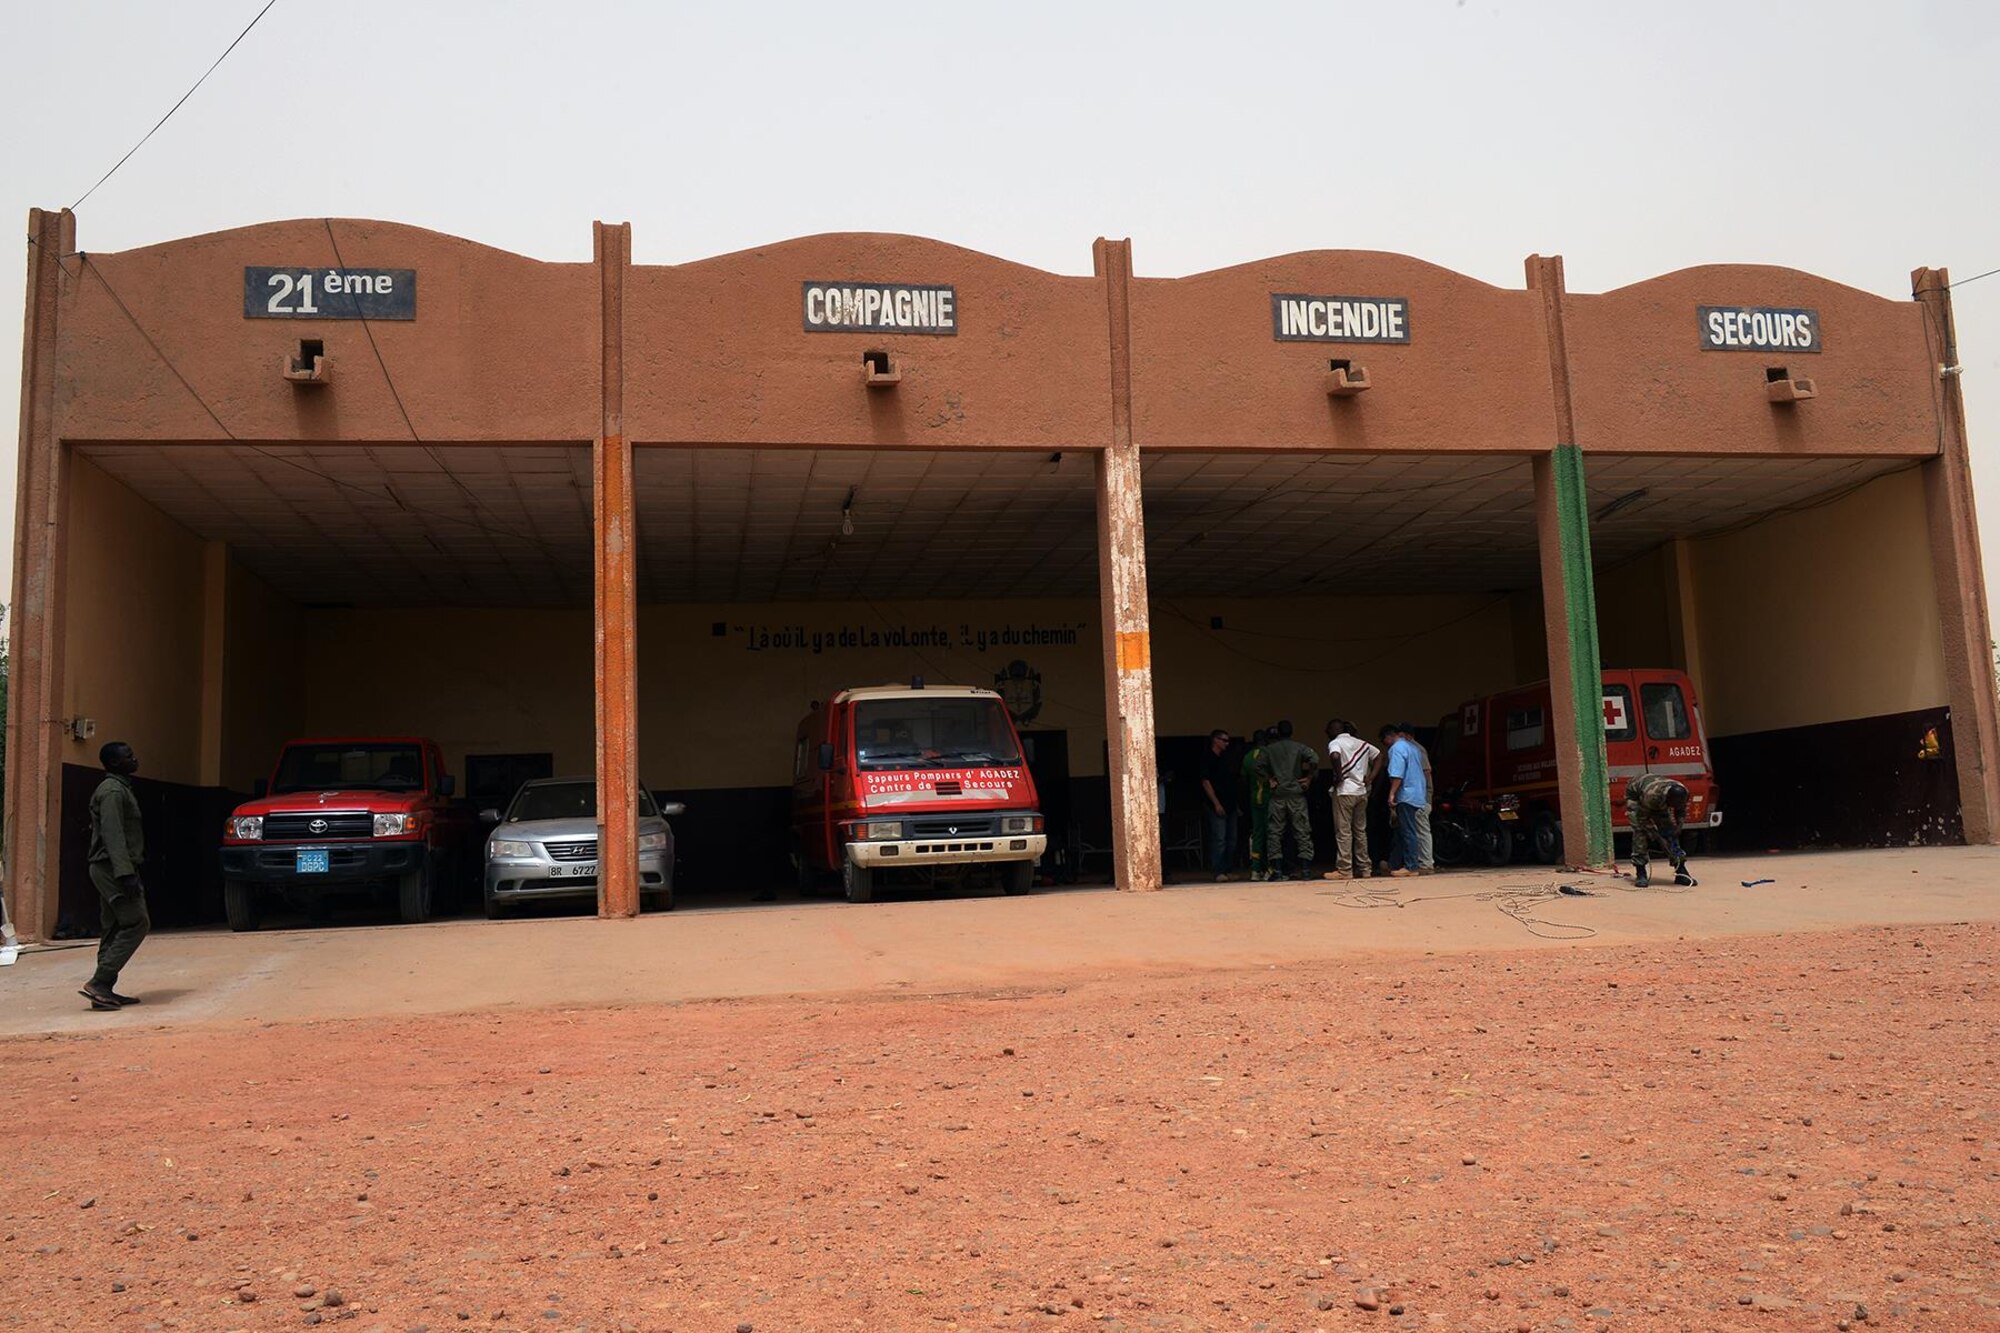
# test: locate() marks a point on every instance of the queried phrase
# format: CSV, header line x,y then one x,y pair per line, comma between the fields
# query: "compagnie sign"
x,y
865,307
1296,317
1731,328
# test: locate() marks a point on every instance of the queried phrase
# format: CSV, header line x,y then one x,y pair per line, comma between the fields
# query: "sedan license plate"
x,y
576,870
314,861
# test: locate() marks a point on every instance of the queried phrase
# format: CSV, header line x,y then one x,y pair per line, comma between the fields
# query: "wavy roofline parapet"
x,y
1780,273
1358,258
378,226
881,239
1329,255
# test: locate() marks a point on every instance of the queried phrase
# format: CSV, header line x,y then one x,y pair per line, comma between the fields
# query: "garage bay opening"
x,y
331,659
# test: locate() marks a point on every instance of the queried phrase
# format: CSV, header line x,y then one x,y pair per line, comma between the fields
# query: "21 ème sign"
x,y
304,292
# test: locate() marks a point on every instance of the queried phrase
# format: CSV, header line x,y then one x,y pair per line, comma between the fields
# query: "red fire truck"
x,y
1495,761
913,783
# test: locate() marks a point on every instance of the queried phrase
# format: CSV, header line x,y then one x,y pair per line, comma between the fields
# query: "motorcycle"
x,y
1466,831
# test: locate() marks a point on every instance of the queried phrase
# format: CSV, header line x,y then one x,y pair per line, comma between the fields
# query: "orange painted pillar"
x,y
35,628
1121,592
616,586
1961,581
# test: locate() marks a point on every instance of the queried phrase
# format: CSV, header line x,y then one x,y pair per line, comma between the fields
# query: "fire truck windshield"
x,y
932,733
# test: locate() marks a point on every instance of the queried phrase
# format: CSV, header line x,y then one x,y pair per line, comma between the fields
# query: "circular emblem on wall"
x,y
1020,688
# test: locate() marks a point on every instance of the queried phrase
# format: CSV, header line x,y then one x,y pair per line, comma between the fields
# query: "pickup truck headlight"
x,y
652,842
1021,824
878,830
246,828
508,847
394,826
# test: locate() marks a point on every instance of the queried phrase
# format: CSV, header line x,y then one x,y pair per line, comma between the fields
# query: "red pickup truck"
x,y
345,815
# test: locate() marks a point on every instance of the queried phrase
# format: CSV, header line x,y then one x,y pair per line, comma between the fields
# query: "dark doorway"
x,y
1048,765
492,779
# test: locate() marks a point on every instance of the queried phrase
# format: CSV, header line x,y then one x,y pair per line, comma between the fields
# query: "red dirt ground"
x,y
1747,1134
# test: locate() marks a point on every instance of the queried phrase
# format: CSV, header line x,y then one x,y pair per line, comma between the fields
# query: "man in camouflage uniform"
x,y
117,850
1257,800
1287,768
1655,807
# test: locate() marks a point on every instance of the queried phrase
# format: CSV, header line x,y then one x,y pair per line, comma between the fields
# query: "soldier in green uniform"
x,y
117,850
1257,800
1655,806
1287,767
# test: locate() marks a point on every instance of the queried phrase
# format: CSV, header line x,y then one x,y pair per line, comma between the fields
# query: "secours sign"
x,y
1730,328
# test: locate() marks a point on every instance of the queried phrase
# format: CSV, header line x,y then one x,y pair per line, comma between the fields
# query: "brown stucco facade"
x,y
153,347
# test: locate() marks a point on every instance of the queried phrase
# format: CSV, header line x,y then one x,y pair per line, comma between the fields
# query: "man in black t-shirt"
x,y
1219,780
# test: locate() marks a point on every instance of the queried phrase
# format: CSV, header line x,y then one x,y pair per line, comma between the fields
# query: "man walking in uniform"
x,y
117,850
1656,805
1287,766
1257,801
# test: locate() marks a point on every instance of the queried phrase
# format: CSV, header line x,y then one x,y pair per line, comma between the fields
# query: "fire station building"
x,y
336,477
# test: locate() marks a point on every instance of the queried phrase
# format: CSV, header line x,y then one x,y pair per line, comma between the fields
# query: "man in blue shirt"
x,y
1409,800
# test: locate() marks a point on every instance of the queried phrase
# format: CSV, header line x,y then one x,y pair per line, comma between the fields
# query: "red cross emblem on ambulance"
x,y
1614,712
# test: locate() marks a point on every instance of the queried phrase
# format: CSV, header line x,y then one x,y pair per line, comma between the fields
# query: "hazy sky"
x,y
1857,141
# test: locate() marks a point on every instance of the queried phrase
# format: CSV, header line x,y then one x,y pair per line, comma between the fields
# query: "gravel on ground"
x,y
1794,1132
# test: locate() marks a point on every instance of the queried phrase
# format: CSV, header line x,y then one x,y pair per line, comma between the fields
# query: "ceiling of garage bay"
x,y
510,525
458,525
770,525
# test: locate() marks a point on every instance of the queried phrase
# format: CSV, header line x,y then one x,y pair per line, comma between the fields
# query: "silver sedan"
x,y
545,846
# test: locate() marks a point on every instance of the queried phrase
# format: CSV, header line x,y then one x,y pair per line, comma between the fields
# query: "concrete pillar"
x,y
214,632
1121,592
1569,605
35,634
1960,576
616,586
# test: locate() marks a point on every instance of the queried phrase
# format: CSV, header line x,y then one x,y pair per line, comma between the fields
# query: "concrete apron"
x,y
975,945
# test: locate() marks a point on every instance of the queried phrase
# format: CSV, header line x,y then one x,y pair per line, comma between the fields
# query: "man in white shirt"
x,y
1352,761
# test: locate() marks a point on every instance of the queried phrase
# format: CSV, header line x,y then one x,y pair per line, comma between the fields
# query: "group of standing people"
x,y
1270,781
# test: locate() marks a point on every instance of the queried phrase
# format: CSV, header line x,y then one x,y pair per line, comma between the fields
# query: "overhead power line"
x,y
1974,278
175,107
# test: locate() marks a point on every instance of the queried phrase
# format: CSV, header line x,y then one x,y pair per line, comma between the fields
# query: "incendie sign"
x,y
1296,317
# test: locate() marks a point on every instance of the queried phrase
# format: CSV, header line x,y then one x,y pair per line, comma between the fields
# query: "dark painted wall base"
x,y
183,833
741,836
1840,784
1836,784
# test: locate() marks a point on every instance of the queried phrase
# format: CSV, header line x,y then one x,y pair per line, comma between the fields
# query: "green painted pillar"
x,y
1576,671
